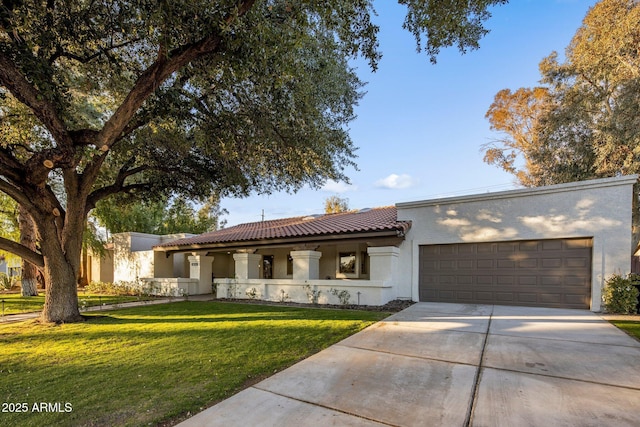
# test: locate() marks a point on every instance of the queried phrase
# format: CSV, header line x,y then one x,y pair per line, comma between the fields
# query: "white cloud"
x,y
338,187
396,182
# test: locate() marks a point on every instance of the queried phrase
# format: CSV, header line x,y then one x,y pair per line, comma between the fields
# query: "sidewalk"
x,y
20,317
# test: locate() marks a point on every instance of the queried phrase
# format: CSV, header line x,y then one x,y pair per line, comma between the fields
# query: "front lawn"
x,y
13,303
630,327
150,364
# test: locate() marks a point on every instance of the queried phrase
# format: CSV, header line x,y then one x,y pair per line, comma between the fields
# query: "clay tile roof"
x,y
365,220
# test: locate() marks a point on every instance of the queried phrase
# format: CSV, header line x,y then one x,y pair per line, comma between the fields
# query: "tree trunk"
x,y
29,276
61,270
61,299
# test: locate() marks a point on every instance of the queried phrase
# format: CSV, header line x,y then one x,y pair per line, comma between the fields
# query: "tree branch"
x,y
22,251
118,186
104,192
13,79
84,59
11,190
11,167
83,137
158,72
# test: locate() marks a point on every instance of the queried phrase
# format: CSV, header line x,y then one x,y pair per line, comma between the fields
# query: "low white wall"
x,y
363,292
600,209
176,287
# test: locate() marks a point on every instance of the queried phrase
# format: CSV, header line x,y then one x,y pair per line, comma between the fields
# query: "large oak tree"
x,y
182,97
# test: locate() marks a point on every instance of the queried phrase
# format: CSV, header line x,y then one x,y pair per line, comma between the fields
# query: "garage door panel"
x,y
553,281
506,263
528,263
551,273
578,243
576,299
527,280
485,263
447,264
527,298
482,297
552,262
484,248
550,298
466,250
465,280
505,297
576,262
466,264
484,280
552,245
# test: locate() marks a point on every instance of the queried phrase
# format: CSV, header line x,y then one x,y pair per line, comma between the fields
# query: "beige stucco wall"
x,y
101,267
600,209
133,257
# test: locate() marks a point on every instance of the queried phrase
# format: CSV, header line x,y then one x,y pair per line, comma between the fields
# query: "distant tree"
x,y
17,225
335,204
30,277
199,97
162,216
517,115
584,122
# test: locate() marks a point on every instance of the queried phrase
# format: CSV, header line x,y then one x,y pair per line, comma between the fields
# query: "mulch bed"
x,y
392,306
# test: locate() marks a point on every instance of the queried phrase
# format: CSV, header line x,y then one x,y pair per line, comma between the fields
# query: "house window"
x,y
347,263
289,265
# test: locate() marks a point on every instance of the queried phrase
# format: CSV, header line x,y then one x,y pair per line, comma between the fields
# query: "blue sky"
x,y
420,127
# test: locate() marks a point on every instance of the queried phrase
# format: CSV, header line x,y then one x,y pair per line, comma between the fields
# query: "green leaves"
x,y
438,24
161,216
589,124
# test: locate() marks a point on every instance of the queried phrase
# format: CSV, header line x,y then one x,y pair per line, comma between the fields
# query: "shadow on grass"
x,y
215,312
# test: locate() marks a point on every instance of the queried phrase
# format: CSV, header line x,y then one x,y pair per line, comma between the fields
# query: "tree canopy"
x,y
584,121
164,216
335,204
187,98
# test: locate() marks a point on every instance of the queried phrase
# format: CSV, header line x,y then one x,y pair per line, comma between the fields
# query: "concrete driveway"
x,y
437,364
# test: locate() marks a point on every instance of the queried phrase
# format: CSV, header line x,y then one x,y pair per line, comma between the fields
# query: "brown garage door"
x,y
543,273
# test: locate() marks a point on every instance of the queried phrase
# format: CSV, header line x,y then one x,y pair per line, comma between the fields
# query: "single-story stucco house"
x,y
549,246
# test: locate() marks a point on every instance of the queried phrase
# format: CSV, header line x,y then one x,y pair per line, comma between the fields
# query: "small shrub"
x,y
252,293
342,295
137,287
232,288
7,282
619,294
106,288
312,294
284,297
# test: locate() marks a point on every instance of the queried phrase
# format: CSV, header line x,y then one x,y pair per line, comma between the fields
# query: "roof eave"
x,y
288,241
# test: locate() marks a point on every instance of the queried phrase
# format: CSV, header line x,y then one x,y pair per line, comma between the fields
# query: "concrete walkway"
x,y
454,365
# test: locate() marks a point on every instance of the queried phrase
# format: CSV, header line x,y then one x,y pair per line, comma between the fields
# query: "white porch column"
x,y
200,267
247,265
383,263
306,265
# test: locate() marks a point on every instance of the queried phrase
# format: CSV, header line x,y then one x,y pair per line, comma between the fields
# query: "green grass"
x,y
16,303
630,327
150,364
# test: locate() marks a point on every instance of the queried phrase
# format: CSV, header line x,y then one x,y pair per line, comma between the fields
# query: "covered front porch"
x,y
344,258
351,273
